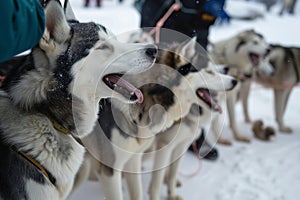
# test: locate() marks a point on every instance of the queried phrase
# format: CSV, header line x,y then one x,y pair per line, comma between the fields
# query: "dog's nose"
x,y
151,51
234,82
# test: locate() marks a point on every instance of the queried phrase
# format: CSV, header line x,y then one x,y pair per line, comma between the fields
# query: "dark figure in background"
x,y
193,19
268,3
98,3
288,6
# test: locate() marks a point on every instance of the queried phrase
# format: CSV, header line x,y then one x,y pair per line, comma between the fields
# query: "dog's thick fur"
x,y
59,82
244,54
286,62
170,88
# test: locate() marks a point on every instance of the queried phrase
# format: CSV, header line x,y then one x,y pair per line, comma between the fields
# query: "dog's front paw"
x,y
248,120
176,197
242,139
285,129
178,183
224,142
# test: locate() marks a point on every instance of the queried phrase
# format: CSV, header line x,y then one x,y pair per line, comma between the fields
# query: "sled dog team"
x,y
83,105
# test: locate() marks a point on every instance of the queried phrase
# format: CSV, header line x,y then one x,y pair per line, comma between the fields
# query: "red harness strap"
x,y
160,23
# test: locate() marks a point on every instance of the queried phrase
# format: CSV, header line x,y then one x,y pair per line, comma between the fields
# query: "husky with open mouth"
x,y
244,54
173,143
180,78
286,63
53,96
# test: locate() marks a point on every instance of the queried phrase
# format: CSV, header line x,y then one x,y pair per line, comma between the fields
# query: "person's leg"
x,y
202,37
206,151
87,3
98,3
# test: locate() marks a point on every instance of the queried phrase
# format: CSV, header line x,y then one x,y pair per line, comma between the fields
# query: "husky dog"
x,y
60,83
172,143
179,79
243,54
286,62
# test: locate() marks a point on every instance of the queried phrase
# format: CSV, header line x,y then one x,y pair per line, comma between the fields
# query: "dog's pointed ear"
x,y
189,47
57,28
69,11
243,34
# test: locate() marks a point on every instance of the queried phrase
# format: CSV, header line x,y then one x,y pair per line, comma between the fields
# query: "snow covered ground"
x,y
256,171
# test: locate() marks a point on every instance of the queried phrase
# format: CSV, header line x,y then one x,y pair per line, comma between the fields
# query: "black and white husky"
x,y
59,83
180,78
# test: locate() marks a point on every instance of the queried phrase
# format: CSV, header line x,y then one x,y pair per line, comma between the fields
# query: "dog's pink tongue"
x,y
129,87
208,98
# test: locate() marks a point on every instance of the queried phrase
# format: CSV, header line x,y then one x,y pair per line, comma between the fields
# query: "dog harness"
x,y
59,127
39,166
51,178
179,121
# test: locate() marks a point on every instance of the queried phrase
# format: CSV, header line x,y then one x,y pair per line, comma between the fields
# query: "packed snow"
x,y
256,171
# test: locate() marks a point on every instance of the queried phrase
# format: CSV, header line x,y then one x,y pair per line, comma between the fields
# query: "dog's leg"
x,y
244,94
111,182
231,101
172,173
281,99
83,173
216,129
133,177
160,164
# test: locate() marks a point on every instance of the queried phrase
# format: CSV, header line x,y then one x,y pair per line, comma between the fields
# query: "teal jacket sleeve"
x,y
22,24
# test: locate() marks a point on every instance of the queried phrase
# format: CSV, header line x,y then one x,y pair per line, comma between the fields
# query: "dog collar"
x,y
179,121
35,163
59,127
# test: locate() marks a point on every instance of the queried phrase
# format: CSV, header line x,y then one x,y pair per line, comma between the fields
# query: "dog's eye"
x,y
102,47
210,72
185,69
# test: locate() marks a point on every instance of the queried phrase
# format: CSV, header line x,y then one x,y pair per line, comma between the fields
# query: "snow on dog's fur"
x,y
61,81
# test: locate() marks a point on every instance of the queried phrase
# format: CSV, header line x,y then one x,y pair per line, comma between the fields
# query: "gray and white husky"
x,y
286,63
244,54
180,78
59,83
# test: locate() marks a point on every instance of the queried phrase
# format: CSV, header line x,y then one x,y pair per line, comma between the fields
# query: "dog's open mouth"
x,y
254,59
207,97
119,85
